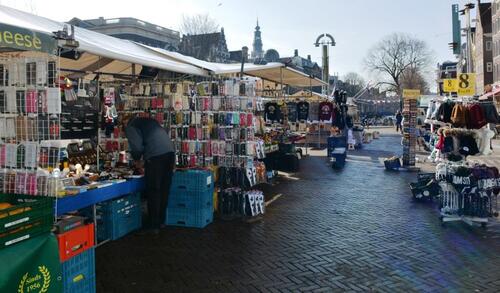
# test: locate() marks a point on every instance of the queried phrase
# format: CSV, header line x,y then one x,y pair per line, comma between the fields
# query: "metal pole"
x,y
326,68
469,51
99,119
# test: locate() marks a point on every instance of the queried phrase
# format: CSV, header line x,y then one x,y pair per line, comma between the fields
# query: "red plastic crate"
x,y
75,241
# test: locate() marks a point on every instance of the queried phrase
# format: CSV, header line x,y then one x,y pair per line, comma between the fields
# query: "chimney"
x,y
309,57
296,53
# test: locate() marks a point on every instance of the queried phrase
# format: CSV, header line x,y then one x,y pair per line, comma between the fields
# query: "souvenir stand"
x,y
461,129
44,177
30,112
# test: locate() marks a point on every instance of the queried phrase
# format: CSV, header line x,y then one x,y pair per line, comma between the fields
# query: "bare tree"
x,y
396,55
198,24
352,83
411,78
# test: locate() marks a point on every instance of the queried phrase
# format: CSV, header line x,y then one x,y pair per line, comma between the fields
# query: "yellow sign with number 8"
x,y
466,84
450,85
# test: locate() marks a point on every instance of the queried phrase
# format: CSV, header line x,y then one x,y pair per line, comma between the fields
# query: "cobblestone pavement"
x,y
330,231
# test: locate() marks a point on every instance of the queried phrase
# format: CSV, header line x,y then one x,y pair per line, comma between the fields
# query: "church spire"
x,y
257,52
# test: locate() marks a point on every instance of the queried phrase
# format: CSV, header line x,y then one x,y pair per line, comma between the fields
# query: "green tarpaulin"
x,y
31,266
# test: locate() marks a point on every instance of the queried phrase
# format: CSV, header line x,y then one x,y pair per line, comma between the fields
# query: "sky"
x,y
356,25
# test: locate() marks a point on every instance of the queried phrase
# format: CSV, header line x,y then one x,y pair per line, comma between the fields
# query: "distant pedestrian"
x,y
399,121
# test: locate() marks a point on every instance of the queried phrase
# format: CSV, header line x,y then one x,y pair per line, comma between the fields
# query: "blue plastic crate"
x,y
336,142
79,273
194,218
115,223
191,199
192,180
122,202
338,158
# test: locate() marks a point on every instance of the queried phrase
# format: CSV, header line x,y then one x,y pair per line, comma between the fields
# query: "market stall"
x,y
63,105
461,128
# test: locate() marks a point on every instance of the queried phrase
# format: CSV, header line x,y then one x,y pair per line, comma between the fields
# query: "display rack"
x,y
409,128
30,110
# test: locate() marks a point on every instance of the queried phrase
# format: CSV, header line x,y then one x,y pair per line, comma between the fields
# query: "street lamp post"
x,y
325,40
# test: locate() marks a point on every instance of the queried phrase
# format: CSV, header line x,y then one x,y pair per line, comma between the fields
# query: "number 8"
x,y
464,81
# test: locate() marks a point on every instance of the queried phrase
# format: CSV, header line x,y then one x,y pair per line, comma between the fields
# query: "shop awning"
x,y
99,45
309,95
495,91
274,71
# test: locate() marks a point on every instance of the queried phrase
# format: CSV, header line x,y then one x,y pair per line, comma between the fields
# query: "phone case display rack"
x,y
409,129
30,110
211,123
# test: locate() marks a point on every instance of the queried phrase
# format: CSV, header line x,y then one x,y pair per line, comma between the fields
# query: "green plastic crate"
x,y
29,216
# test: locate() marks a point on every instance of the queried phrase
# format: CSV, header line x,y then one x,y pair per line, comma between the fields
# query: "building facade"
x,y
483,53
305,65
210,47
495,13
132,29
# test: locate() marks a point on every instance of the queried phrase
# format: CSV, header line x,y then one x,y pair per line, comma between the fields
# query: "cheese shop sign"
x,y
26,40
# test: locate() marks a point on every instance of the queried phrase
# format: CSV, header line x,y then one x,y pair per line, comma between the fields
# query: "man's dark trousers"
x,y
158,175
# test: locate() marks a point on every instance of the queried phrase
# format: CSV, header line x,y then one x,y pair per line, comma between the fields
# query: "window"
x,y
52,76
31,73
488,45
489,67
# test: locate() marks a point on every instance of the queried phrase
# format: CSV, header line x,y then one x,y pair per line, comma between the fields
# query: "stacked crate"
x,y
409,128
76,252
117,218
190,203
78,273
23,217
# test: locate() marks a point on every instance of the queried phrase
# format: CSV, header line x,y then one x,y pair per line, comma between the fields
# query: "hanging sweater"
x,y
490,113
302,110
459,115
444,113
476,118
292,111
272,112
325,111
314,111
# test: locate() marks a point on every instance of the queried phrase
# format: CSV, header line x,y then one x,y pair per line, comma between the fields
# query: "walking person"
x,y
150,146
399,121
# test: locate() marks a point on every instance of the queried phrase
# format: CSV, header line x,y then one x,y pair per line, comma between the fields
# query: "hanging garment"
x,y
444,112
349,121
459,116
490,113
292,111
338,120
431,107
448,145
325,111
476,117
302,110
468,145
272,112
314,111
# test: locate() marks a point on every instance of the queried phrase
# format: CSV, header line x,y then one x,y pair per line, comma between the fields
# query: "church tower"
x,y
257,52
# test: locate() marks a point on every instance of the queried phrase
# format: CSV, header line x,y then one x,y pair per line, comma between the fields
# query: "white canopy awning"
x,y
274,71
101,45
309,95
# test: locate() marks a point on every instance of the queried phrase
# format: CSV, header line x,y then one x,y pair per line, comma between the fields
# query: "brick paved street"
x,y
349,230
